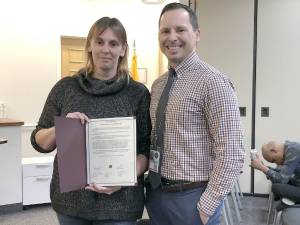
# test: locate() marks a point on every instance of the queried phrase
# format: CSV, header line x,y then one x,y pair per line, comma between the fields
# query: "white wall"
x,y
226,42
277,76
30,34
30,44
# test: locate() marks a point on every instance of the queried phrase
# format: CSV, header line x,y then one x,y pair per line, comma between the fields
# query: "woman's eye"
x,y
114,44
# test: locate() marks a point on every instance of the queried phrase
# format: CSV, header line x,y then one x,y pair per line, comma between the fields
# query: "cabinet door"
x,y
11,166
278,76
37,169
36,190
226,42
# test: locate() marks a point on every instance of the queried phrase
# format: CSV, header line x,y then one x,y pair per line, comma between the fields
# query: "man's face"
x,y
274,157
278,158
177,38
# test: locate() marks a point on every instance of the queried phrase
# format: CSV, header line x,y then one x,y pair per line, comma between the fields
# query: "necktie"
x,y
155,178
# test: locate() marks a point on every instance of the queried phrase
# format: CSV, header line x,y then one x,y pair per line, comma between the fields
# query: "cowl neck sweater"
x,y
99,87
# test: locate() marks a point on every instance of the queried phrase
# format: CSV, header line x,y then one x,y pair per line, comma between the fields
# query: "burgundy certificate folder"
x,y
71,153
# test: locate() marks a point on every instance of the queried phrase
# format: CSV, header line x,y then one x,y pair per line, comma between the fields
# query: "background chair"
x,y
291,215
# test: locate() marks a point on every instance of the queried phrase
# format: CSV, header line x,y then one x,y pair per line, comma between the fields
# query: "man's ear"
x,y
197,35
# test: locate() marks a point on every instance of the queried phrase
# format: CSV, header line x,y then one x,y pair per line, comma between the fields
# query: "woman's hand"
x,y
103,190
78,115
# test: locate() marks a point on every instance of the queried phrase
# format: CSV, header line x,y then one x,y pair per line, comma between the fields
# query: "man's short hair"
x,y
176,5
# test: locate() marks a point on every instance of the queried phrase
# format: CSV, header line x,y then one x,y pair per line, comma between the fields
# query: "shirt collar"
x,y
186,64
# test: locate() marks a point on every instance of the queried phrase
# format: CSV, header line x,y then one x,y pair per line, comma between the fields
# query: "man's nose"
x,y
172,35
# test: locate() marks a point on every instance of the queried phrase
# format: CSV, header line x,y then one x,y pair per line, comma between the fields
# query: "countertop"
x,y
5,122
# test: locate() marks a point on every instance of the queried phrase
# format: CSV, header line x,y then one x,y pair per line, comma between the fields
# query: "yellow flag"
x,y
134,70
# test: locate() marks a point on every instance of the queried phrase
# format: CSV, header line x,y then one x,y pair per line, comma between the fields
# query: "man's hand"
x,y
258,164
204,218
103,190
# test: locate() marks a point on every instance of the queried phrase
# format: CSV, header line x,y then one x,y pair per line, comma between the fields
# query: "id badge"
x,y
154,161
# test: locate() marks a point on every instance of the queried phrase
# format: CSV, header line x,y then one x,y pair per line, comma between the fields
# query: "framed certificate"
x,y
111,151
102,151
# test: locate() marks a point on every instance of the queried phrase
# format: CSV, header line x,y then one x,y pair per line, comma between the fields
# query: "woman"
x,y
102,89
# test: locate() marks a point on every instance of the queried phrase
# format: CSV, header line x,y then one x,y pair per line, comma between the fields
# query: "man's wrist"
x,y
200,210
264,169
203,216
203,213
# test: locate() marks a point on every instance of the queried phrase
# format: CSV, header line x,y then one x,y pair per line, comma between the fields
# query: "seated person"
x,y
286,177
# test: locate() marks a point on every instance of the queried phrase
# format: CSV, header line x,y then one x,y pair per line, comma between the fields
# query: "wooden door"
x,y
72,55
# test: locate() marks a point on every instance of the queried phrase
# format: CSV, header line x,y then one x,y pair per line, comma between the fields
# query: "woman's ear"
x,y
124,48
89,49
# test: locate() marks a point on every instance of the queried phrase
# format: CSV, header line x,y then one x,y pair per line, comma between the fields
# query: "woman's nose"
x,y
105,48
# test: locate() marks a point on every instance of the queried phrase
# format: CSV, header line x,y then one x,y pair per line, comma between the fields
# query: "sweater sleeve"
x,y
50,110
143,124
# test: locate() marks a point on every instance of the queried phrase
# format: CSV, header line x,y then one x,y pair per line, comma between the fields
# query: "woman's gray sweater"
x,y
98,99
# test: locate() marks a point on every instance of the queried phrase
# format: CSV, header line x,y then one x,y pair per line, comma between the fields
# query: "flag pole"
x,y
134,70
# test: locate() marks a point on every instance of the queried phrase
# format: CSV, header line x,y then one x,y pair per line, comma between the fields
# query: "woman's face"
x,y
106,50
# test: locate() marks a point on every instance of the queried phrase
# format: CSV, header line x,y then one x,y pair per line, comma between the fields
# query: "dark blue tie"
x,y
155,178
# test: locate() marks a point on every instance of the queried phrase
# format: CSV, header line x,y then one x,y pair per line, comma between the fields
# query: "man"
x,y
197,151
286,177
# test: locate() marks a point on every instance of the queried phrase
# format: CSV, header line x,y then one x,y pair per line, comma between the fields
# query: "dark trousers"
x,y
71,220
177,208
286,191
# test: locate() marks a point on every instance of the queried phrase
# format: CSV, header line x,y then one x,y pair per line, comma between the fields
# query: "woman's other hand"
x,y
78,115
103,190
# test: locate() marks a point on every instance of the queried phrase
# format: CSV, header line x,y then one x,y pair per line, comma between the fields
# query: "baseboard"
x,y
256,195
4,209
25,207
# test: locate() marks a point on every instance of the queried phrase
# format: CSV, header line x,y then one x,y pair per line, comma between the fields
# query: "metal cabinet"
x,y
37,174
10,161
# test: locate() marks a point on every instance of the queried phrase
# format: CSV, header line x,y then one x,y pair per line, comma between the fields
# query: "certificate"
x,y
102,151
111,151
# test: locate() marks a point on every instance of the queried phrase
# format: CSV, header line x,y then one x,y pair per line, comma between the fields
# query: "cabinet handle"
x,y
42,166
42,178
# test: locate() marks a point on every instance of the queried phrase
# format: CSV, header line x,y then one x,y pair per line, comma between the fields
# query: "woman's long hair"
x,y
98,28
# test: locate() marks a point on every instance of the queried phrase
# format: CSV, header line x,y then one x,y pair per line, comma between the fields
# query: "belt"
x,y
176,186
